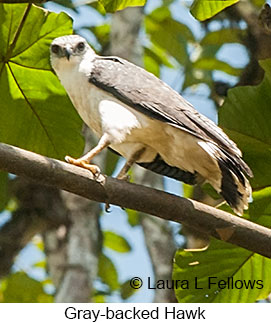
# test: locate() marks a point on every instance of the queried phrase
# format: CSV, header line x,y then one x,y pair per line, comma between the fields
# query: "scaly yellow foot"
x,y
95,170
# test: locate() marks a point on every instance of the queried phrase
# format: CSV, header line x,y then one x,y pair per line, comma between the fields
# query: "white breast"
x,y
102,112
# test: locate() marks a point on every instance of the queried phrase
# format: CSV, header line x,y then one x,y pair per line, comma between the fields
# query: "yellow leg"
x,y
85,160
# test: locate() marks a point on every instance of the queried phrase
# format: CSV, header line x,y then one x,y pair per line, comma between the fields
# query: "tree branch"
x,y
214,222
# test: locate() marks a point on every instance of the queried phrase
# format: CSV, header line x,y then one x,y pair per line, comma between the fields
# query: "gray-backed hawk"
x,y
147,122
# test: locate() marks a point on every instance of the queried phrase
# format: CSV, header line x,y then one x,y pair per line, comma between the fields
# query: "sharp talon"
x,y
95,170
69,159
107,207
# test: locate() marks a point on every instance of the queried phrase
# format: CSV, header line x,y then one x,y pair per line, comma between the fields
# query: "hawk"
x,y
148,123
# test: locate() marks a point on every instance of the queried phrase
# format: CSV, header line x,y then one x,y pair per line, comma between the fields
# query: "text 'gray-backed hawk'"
x,y
147,122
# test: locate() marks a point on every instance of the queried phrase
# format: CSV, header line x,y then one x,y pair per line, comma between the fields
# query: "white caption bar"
x,y
99,313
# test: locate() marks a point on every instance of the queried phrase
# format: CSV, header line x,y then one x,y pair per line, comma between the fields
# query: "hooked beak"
x,y
68,53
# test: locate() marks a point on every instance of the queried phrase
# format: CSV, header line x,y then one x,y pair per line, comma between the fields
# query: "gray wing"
x,y
149,95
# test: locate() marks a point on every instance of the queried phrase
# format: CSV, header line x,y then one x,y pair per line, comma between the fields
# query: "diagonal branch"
x,y
214,222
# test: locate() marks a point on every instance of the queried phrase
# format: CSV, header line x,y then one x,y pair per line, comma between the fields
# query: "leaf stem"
x,y
16,36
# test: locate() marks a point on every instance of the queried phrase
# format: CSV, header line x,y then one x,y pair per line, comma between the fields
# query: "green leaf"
x,y
151,65
209,51
211,64
36,113
246,117
205,9
194,76
224,262
22,289
168,34
260,208
258,3
107,272
101,32
99,298
222,36
116,242
66,3
3,190
209,190
12,205
160,14
188,191
154,58
133,217
126,290
158,54
110,162
39,244
40,264
114,5
47,281
95,5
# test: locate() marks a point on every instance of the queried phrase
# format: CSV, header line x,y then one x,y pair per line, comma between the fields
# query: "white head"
x,y
69,51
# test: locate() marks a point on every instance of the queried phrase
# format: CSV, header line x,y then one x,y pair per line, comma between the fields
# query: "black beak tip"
x,y
68,54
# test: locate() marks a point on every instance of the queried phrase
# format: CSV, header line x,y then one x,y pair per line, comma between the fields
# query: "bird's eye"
x,y
55,49
81,46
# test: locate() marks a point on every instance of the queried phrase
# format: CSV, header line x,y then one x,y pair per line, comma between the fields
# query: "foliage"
x,y
205,9
116,242
35,111
20,288
226,262
168,34
107,272
217,273
114,5
246,118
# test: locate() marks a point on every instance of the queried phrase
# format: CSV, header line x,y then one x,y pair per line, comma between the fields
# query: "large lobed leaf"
x,y
205,9
36,113
226,262
246,118
232,266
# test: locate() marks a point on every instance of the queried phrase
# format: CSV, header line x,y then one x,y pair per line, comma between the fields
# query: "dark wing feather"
x,y
149,95
159,166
